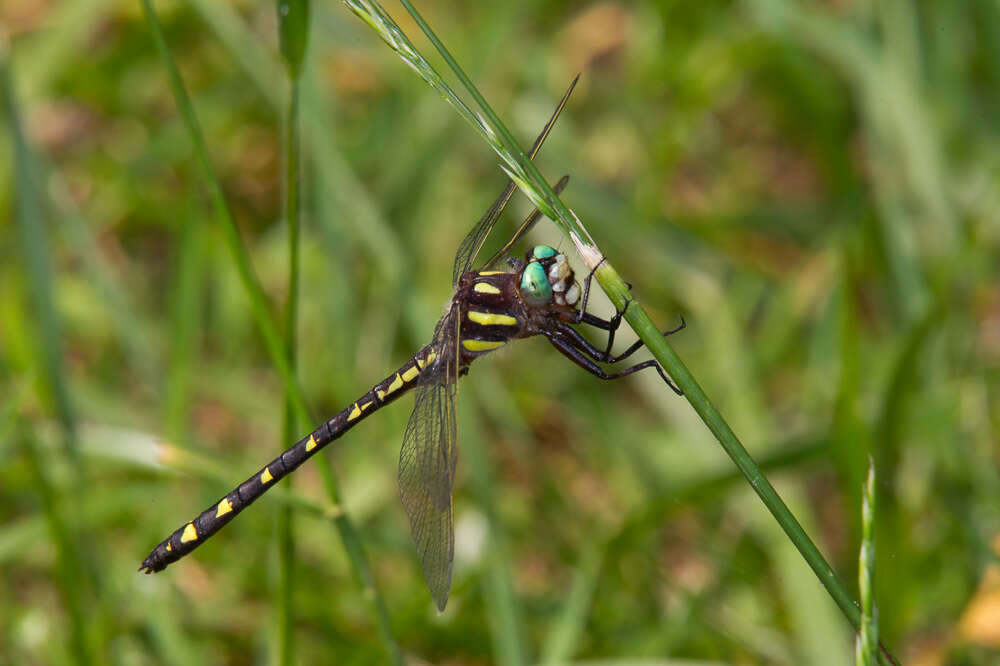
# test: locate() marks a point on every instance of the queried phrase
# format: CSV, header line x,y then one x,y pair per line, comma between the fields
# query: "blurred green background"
x,y
812,185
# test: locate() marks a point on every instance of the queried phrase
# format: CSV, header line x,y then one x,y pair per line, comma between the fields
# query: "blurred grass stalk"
x,y
71,564
293,34
273,340
527,177
867,647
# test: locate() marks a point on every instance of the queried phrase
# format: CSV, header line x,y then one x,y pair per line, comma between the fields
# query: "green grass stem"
x,y
568,630
528,178
293,31
867,651
33,237
75,567
185,322
263,317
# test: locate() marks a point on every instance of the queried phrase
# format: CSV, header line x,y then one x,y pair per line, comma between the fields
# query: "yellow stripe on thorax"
x,y
482,345
485,288
491,319
492,272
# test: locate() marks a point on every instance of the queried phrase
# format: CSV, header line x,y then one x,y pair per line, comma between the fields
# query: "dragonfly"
x,y
534,295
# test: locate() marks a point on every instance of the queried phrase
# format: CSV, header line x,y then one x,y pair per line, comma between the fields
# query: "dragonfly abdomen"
x,y
191,535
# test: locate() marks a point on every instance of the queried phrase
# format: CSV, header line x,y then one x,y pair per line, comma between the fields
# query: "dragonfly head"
x,y
547,278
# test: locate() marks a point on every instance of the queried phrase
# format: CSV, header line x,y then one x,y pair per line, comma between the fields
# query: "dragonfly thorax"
x,y
546,278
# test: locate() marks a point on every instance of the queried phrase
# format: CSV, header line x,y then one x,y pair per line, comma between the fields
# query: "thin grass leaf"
x,y
293,34
293,31
185,321
265,323
74,570
34,241
565,636
286,542
867,648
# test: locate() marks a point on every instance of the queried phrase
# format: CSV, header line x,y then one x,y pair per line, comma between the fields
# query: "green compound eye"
x,y
535,285
543,252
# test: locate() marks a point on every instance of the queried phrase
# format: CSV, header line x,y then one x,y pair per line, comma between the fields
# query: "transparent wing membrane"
x,y
469,249
426,476
427,463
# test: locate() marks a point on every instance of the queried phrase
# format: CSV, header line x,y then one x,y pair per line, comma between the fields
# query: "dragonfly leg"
x,y
611,326
638,343
576,348
605,356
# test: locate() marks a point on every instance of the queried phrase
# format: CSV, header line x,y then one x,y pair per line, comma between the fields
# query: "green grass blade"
x,y
34,247
74,571
293,31
273,341
185,320
867,651
293,34
564,638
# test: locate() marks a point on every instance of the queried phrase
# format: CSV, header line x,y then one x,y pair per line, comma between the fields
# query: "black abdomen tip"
x,y
154,562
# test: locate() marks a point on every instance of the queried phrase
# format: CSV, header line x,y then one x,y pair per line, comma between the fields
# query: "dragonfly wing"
x,y
469,249
426,477
473,241
525,226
